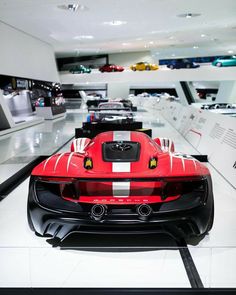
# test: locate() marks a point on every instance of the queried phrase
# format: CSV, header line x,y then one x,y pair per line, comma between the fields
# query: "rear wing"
x,y
92,129
127,109
201,158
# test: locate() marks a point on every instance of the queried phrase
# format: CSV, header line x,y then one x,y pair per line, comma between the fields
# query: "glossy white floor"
x,y
27,260
17,149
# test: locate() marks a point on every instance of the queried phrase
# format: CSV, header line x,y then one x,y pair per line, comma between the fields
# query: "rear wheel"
x,y
171,67
219,64
209,227
134,69
188,66
148,68
30,221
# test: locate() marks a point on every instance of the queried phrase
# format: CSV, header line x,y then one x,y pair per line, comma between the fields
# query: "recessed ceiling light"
x,y
72,7
195,47
154,32
151,42
188,15
125,44
139,39
115,23
203,35
230,51
172,54
83,37
171,37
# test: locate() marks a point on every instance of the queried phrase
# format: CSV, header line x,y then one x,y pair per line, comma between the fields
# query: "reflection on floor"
x,y
18,148
112,261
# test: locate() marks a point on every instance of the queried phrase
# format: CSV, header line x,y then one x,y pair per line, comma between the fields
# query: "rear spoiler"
x,y
90,130
109,109
201,158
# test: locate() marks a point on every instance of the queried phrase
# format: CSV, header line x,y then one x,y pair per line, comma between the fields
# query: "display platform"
x,y
119,261
13,117
207,73
52,112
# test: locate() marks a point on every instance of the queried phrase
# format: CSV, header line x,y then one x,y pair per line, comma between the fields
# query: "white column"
x,y
227,92
180,93
118,90
6,119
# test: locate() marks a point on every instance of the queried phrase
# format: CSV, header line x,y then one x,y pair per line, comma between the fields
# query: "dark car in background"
x,y
182,64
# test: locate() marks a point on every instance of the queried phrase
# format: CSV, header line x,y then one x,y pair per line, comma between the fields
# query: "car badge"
x,y
153,163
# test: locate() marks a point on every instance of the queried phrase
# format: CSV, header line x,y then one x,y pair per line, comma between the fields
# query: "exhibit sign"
x,y
210,133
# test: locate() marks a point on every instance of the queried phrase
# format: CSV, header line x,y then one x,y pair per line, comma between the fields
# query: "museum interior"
x,y
118,145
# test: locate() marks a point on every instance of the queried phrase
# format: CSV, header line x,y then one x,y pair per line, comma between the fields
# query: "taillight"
x,y
189,186
172,189
68,191
65,186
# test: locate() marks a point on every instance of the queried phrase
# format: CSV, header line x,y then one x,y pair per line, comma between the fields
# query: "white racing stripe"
x,y
57,161
182,159
194,162
45,164
121,167
171,161
80,144
68,161
121,189
121,135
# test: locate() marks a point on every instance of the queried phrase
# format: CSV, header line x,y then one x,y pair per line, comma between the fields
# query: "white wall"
x,y
126,59
116,90
24,56
227,92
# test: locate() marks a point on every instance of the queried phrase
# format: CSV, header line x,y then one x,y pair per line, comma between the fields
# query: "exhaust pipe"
x,y
144,211
98,211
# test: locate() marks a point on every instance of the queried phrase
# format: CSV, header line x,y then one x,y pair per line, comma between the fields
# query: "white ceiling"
x,y
151,25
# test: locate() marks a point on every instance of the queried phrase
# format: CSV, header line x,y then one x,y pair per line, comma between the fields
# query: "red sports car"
x,y
111,68
121,181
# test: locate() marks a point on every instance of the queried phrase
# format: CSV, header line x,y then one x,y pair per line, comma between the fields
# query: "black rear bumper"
x,y
50,221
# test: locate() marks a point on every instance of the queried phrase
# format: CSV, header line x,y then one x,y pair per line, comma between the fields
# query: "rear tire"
x,y
171,67
30,220
219,64
209,227
148,68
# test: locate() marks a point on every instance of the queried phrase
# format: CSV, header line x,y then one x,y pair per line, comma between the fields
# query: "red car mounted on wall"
x,y
111,68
